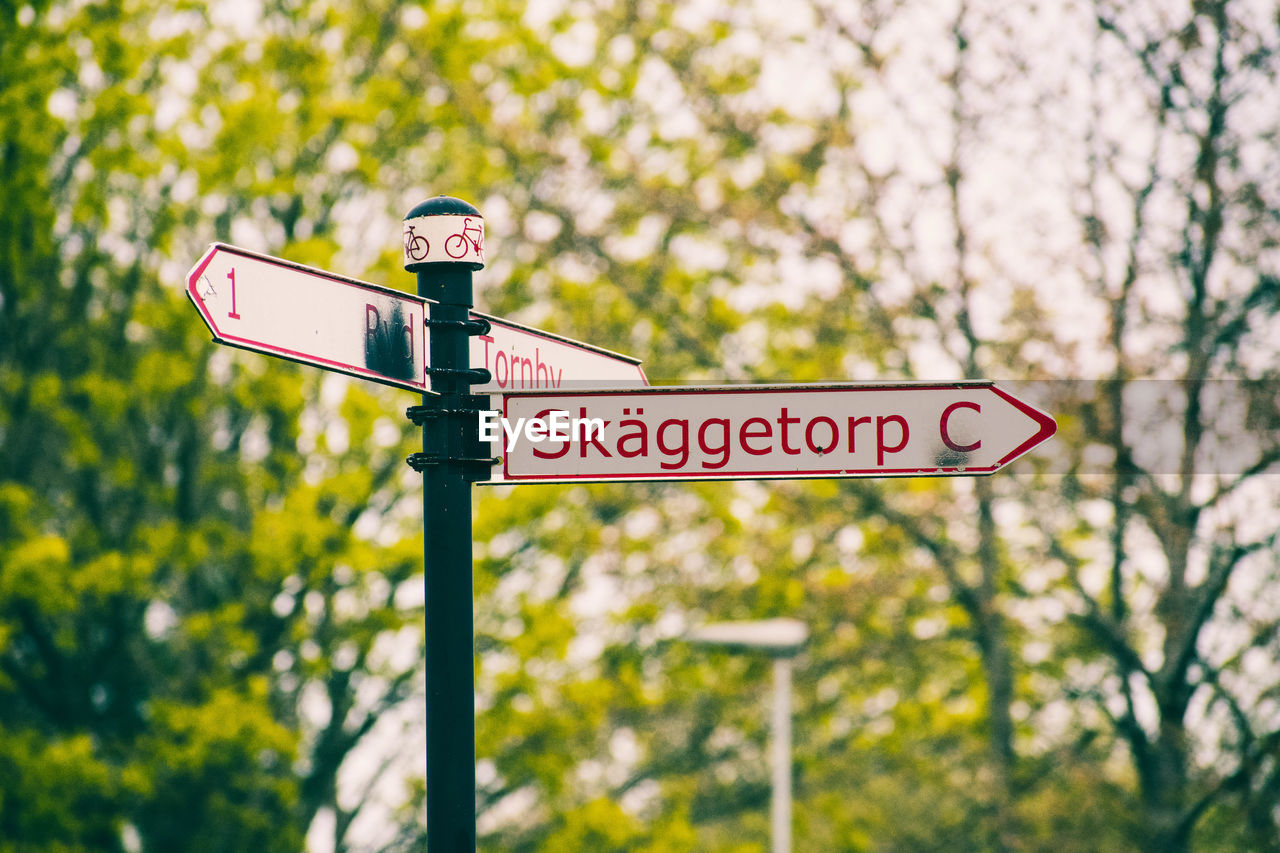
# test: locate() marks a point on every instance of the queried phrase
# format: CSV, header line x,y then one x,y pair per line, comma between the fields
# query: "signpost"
x,y
297,312
449,464
545,432
762,432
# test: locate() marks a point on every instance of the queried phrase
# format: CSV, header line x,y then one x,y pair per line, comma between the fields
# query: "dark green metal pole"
x,y
444,245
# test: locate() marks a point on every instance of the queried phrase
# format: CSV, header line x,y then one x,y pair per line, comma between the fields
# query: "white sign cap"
x,y
443,230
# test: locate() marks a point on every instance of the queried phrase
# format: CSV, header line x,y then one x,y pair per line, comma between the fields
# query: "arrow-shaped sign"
x,y
761,432
522,358
304,314
313,316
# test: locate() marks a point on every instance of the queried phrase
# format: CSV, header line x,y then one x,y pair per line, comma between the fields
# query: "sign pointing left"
x,y
281,308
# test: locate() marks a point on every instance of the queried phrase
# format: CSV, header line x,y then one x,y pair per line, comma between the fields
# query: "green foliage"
x,y
209,561
175,574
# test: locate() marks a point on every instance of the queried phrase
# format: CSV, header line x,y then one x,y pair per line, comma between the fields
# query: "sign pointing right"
x,y
762,432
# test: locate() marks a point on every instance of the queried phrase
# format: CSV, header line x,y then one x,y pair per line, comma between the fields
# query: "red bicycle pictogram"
x,y
416,246
471,235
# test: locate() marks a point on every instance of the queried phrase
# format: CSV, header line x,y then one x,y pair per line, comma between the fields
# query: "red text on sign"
x,y
714,441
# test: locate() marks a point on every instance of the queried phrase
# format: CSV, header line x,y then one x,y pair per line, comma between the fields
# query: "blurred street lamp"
x,y
781,639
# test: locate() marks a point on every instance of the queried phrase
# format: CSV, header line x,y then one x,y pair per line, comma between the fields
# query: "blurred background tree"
x,y
200,562
210,589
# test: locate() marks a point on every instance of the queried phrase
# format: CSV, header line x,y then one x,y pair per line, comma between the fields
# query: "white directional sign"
x,y
760,432
297,312
304,314
521,358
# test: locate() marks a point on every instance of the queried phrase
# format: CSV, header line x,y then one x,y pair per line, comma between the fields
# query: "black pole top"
x,y
442,205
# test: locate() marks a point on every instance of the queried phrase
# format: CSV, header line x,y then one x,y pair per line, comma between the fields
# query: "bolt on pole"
x,y
443,245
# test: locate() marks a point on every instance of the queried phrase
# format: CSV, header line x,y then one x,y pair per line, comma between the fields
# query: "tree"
x,y
1178,202
961,304
193,603
205,558
1199,221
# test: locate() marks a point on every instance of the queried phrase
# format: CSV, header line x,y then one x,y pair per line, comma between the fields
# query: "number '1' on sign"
x,y
297,312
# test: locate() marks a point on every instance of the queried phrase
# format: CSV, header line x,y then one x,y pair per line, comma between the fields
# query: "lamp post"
x,y
782,640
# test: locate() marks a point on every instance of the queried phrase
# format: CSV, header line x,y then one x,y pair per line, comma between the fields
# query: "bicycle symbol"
x,y
473,235
416,246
